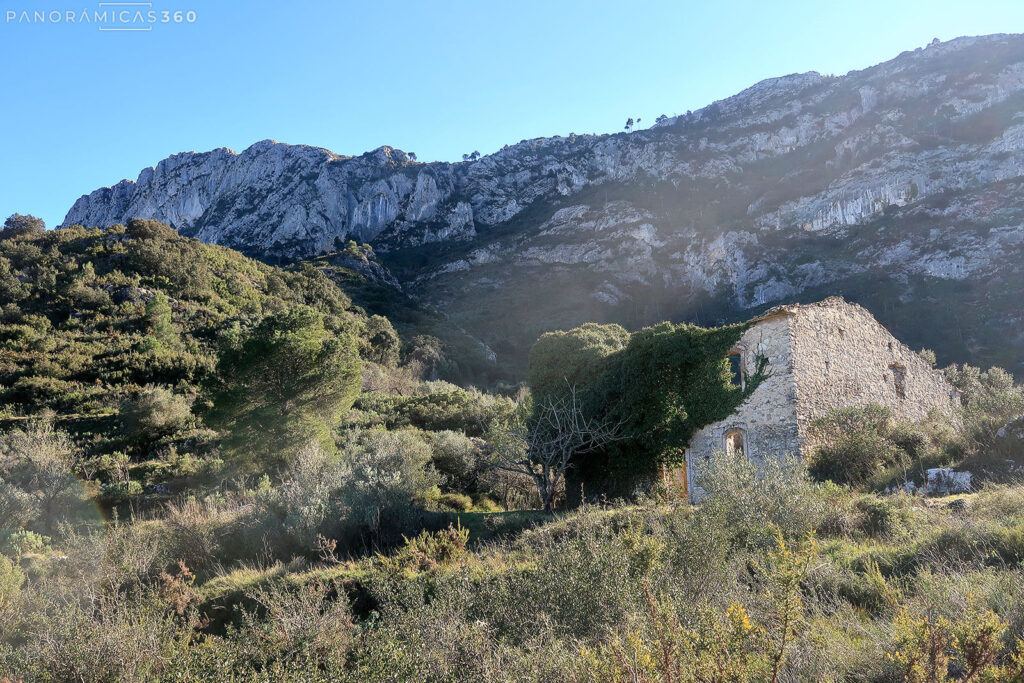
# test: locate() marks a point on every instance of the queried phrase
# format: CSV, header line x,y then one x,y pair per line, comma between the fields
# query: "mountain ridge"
x,y
905,175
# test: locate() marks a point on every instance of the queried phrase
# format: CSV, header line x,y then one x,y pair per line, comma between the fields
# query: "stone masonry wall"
x,y
820,356
844,357
768,416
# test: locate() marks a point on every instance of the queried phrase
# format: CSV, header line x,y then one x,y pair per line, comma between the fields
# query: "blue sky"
x,y
84,108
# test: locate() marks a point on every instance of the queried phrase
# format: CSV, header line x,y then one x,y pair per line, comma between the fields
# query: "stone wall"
x,y
767,418
843,357
820,356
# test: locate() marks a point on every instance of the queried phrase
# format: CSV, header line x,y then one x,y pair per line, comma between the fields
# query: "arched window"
x,y
735,442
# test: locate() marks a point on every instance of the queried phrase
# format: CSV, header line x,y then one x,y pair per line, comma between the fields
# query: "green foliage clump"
x,y
457,457
388,473
990,401
759,499
660,384
287,382
18,225
447,409
39,487
24,542
380,342
11,581
161,326
857,444
868,446
429,550
578,357
154,413
455,502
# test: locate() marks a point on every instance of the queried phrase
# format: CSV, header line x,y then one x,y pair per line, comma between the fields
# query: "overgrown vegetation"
x,y
658,385
213,469
805,583
868,447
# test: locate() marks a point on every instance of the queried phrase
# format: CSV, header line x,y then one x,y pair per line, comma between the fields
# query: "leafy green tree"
x,y
158,316
286,384
382,344
18,225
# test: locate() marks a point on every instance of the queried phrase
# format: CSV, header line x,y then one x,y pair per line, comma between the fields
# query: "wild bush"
x,y
758,498
39,466
457,457
428,550
990,400
12,578
932,649
380,343
309,624
389,471
866,445
308,492
154,413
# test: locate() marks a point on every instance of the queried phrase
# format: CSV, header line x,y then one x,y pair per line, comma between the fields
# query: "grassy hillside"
x,y
156,355
775,578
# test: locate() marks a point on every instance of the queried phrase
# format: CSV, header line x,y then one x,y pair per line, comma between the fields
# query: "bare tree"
x,y
543,444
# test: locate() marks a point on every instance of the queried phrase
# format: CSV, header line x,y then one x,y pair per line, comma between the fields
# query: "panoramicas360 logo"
x,y
107,16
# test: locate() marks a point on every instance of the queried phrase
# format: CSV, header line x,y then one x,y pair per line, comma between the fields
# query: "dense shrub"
x,y
448,409
863,445
759,498
991,400
154,413
634,592
380,342
38,467
457,457
388,472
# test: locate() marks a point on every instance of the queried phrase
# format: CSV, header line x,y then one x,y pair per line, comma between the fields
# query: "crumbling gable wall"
x,y
843,357
820,356
767,420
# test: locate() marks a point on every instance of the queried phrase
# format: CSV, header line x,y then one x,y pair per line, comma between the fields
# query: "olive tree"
x,y
38,485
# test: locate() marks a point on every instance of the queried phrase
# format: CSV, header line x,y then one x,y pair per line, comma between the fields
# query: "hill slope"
x,y
90,316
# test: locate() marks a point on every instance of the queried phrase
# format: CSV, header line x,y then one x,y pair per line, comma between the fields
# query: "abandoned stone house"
x,y
819,356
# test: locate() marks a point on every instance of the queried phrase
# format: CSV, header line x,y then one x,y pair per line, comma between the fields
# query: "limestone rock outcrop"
x,y
898,186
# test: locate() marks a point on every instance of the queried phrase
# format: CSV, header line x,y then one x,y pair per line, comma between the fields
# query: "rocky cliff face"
x,y
898,186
